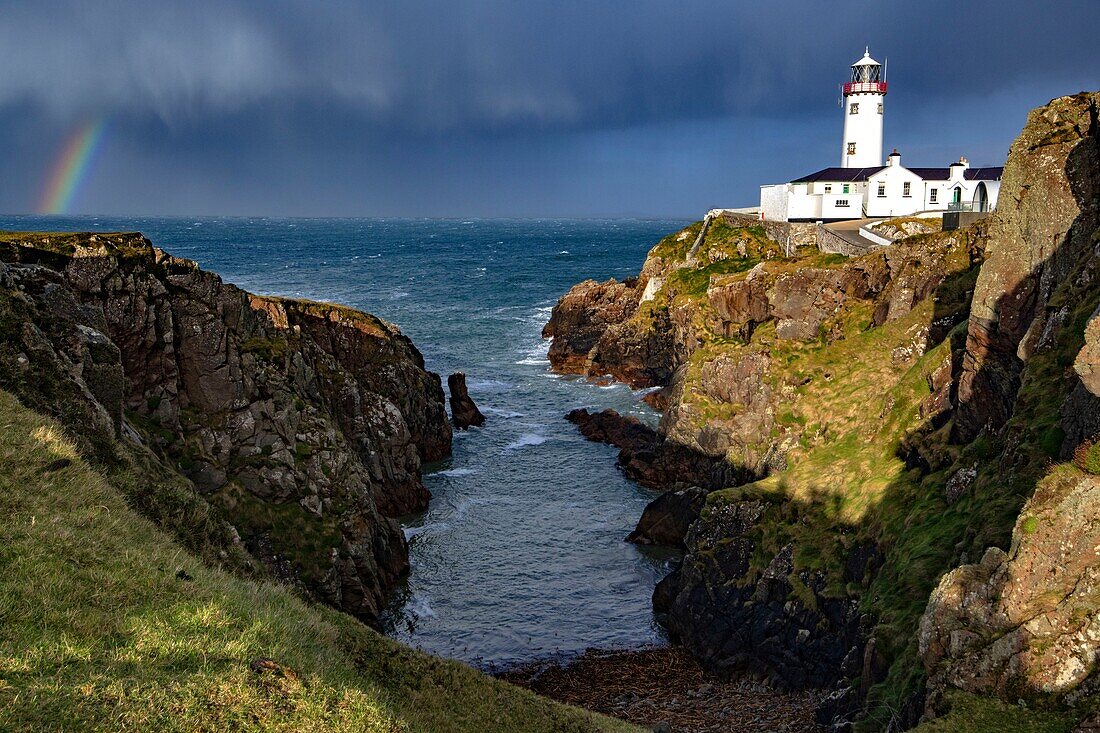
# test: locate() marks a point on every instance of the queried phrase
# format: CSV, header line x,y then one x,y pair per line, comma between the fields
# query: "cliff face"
x,y
871,433
1025,620
302,425
1039,237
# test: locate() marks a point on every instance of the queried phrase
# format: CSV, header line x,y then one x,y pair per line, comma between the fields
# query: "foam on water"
x,y
525,440
457,472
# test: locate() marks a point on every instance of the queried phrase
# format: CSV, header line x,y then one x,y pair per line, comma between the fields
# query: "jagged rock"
x,y
803,300
1024,624
582,317
304,423
1040,232
960,482
644,455
464,412
666,519
730,622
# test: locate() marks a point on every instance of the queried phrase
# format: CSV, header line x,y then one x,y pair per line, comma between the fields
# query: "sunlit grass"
x,y
107,624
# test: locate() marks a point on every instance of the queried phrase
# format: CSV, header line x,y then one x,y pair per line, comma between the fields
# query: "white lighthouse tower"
x,y
863,98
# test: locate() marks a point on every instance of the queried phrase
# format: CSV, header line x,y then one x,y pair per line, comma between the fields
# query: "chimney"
x,y
894,158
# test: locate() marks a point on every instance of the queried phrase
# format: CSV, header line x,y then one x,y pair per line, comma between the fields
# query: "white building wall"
x,y
774,202
801,204
862,126
841,206
891,182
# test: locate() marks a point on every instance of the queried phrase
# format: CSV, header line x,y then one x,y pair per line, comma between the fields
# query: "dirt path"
x,y
657,686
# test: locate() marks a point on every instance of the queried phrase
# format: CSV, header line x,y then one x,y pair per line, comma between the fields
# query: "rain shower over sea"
x,y
520,555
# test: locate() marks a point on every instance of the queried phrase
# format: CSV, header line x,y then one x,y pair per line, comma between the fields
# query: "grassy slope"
x,y
973,714
107,624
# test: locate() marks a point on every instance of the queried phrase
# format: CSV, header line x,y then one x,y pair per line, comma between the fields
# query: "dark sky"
x,y
495,108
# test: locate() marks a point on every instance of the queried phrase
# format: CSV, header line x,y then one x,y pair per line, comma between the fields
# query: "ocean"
x,y
520,555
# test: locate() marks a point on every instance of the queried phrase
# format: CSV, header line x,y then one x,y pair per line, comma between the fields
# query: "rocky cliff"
x,y
289,429
871,423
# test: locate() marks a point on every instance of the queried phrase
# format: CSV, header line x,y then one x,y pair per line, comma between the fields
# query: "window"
x,y
880,107
828,188
845,188
933,195
841,203
882,190
851,148
907,189
853,109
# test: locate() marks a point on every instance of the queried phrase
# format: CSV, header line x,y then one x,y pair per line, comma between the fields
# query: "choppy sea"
x,y
520,555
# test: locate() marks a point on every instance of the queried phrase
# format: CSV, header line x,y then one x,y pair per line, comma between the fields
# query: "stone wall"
x,y
801,234
832,243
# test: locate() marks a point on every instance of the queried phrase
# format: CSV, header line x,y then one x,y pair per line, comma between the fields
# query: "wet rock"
x,y
464,412
644,455
666,519
731,622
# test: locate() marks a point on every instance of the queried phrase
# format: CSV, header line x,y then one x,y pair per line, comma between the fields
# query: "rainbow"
x,y
71,169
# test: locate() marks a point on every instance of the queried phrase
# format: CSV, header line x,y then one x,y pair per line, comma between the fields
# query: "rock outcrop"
x,y
464,412
643,454
594,334
779,623
1041,232
1024,623
304,424
666,520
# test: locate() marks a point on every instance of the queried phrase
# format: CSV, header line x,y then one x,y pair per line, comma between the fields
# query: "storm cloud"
x,y
504,108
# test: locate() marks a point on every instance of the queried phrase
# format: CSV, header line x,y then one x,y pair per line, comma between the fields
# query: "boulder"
x,y
666,519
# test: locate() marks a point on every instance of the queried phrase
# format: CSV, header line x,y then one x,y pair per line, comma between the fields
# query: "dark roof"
x,y
842,175
848,175
932,174
970,174
992,173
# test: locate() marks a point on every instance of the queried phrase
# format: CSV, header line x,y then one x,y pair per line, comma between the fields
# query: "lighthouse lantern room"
x,y
863,108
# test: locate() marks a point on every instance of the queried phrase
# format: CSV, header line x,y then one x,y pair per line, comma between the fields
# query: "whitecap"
x,y
489,385
506,414
411,532
418,606
525,440
458,472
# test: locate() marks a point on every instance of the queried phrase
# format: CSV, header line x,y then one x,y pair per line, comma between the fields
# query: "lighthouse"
x,y
863,107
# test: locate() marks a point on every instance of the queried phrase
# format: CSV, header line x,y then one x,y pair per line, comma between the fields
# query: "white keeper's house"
x,y
862,187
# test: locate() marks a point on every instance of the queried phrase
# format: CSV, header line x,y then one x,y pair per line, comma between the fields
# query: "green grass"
x,y
106,623
1087,458
973,714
